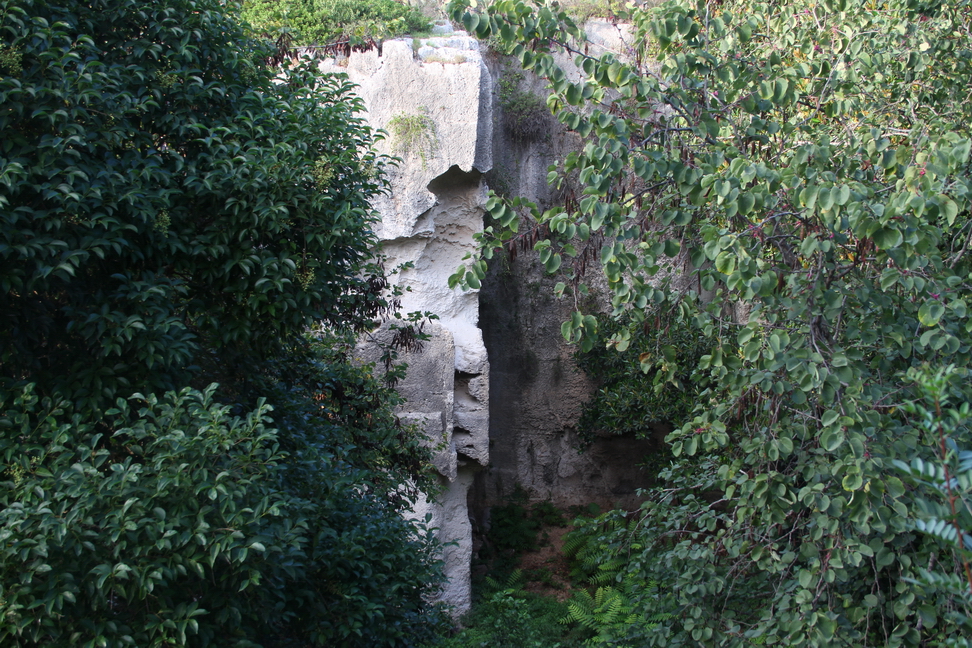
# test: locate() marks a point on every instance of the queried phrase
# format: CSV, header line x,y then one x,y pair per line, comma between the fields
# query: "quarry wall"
x,y
495,390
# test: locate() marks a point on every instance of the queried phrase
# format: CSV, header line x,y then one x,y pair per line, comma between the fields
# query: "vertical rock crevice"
x,y
537,389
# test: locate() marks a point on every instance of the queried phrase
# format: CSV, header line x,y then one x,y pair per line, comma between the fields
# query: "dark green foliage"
x,y
625,600
514,529
598,546
547,514
330,407
140,528
323,22
656,362
508,617
174,212
158,197
170,520
792,183
525,115
943,507
369,572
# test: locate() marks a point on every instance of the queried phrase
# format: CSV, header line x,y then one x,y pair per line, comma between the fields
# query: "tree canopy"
x,y
176,212
164,193
789,182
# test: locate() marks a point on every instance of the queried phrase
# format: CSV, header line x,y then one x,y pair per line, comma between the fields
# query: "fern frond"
x,y
513,583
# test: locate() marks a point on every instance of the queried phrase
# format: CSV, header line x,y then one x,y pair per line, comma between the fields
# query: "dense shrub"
x,y
328,21
656,364
525,115
173,212
166,202
508,617
171,521
789,183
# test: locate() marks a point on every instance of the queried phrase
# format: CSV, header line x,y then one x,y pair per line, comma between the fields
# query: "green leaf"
x,y
831,438
829,418
746,202
470,21
566,330
574,95
931,313
805,578
852,482
887,238
725,262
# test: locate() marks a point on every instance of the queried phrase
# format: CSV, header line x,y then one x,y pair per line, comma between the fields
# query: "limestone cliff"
x,y
507,420
434,100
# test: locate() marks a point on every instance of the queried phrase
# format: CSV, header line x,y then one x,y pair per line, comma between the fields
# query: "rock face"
x,y
434,99
442,109
538,391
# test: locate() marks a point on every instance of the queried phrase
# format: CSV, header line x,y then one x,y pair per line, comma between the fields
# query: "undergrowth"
x,y
614,599
611,601
509,617
525,114
514,529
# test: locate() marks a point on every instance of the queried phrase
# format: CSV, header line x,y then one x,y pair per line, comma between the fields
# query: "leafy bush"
x,y
175,522
322,22
508,617
597,546
162,209
175,211
656,362
943,506
371,572
514,529
605,551
547,514
166,524
525,115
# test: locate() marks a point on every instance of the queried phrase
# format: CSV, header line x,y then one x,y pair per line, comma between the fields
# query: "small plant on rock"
x,y
414,133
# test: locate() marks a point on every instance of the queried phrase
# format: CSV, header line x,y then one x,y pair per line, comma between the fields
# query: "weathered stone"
x,y
442,88
514,409
537,392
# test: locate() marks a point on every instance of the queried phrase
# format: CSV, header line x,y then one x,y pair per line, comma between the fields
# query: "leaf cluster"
x,y
525,115
605,549
508,617
171,521
175,212
655,362
513,530
943,507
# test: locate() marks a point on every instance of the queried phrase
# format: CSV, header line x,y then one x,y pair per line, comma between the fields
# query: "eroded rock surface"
x,y
434,99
